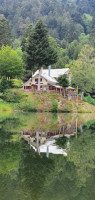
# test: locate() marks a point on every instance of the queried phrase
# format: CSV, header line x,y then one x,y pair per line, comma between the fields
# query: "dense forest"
x,y
65,19
71,30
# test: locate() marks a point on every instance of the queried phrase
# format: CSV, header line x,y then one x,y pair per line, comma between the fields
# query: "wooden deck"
x,y
68,94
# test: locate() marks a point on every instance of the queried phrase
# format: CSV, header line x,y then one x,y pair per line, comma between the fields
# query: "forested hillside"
x,y
71,30
65,19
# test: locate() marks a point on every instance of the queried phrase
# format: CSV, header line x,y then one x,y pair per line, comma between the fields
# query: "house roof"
x,y
54,73
27,83
57,86
70,88
49,78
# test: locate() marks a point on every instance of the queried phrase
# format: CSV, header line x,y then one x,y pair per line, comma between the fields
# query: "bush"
x,y
17,83
54,107
63,81
13,95
61,142
90,100
30,106
66,109
5,84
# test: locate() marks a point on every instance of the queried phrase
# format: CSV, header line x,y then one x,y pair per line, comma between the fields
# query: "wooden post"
x,y
60,90
37,138
77,95
76,127
64,94
56,90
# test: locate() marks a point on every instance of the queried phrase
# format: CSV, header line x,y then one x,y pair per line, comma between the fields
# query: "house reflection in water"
x,y
45,142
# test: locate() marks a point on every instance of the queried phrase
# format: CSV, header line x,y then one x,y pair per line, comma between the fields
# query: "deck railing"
x,y
68,94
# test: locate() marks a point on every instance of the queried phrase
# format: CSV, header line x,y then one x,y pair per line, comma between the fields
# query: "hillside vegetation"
x,y
64,18
15,99
71,33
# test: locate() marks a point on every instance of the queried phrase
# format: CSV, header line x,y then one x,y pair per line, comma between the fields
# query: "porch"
x,y
67,92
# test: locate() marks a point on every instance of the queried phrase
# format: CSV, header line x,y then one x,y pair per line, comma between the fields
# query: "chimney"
x,y
49,70
41,70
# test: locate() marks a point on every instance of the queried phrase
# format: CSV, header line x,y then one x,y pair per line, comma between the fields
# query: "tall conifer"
x,y
39,52
5,33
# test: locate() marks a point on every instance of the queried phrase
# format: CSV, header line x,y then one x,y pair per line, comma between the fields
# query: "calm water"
x,y
47,157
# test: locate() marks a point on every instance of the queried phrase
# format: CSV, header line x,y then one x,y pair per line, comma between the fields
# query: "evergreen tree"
x,y
92,33
26,36
63,81
39,51
5,33
92,37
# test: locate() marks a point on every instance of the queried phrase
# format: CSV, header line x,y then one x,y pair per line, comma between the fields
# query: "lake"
x,y
47,156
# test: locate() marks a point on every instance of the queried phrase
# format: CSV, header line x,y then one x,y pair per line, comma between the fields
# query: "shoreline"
x,y
17,100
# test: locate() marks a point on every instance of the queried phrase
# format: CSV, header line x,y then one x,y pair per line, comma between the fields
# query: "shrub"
x,y
17,83
61,142
54,106
27,105
66,109
13,95
90,100
4,84
63,81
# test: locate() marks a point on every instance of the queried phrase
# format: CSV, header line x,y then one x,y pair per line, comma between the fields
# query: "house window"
x,y
36,80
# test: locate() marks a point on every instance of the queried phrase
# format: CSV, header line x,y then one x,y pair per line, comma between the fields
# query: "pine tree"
x,y
5,33
26,36
63,81
39,52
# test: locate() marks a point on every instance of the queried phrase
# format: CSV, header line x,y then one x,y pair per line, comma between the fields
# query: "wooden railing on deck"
x,y
68,94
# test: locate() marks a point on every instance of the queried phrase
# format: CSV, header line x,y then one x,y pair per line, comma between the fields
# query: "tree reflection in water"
x,y
26,175
45,142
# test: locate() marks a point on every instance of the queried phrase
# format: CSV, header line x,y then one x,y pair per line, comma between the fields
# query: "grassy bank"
x,y
53,103
30,102
5,106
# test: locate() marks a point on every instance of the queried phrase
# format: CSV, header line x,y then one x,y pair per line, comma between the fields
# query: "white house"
x,y
48,79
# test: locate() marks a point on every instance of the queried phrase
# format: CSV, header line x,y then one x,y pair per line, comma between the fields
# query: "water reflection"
x,y
26,175
44,142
